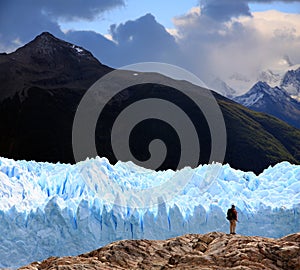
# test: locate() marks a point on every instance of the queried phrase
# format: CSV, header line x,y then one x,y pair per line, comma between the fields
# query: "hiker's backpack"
x,y
229,214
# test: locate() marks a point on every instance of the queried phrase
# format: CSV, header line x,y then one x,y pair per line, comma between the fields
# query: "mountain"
x,y
286,76
194,251
272,75
291,83
272,100
42,83
65,210
50,63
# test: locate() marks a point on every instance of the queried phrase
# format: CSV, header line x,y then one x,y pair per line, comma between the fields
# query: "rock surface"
x,y
194,251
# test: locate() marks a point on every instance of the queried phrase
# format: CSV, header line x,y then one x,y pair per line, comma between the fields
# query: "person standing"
x,y
232,216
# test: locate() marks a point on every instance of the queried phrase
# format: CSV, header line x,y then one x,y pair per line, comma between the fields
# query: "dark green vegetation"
x,y
42,84
258,140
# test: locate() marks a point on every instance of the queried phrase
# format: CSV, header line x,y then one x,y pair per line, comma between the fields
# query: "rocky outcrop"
x,y
193,251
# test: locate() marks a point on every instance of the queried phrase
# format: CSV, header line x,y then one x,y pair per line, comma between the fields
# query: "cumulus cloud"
x,y
20,22
140,40
102,47
223,10
242,44
24,19
217,38
143,40
76,9
279,33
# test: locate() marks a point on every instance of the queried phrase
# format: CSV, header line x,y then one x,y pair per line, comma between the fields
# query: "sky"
x,y
224,39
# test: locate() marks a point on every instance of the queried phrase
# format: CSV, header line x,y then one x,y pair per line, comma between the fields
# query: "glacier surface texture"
x,y
61,209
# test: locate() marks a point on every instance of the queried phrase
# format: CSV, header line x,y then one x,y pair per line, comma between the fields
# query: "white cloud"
x,y
109,37
279,35
173,32
244,45
207,40
23,20
274,24
188,18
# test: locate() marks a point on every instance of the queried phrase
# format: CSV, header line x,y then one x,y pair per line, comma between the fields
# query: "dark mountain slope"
x,y
49,63
257,138
45,80
41,85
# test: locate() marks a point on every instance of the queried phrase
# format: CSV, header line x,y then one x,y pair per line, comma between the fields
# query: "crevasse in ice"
x,y
61,209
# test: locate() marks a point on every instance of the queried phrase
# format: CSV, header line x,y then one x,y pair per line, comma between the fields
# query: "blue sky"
x,y
284,7
164,13
133,9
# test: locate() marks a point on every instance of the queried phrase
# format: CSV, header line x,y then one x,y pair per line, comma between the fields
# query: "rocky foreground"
x,y
194,251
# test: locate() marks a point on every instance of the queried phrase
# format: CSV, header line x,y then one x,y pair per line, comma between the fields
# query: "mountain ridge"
x,y
291,83
272,100
39,101
47,61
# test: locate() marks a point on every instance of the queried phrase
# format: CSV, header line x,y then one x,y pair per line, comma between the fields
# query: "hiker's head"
x,y
233,206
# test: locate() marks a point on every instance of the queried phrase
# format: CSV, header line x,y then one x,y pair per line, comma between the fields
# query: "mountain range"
x,y
285,75
274,91
42,83
272,100
291,83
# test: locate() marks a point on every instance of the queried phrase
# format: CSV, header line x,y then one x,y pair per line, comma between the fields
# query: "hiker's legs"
x,y
232,226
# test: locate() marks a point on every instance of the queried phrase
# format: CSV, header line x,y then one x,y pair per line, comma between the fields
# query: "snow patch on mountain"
x,y
271,77
79,50
291,82
258,94
275,75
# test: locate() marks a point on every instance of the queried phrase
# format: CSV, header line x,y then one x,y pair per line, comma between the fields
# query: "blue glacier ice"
x,y
61,209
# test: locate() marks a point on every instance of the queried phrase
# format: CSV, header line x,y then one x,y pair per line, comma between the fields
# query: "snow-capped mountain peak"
x,y
46,47
291,82
270,77
274,75
259,93
272,100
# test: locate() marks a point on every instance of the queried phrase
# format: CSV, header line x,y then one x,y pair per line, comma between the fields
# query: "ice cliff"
x,y
61,209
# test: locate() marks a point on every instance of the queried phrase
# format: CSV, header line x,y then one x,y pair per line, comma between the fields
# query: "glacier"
x,y
61,209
